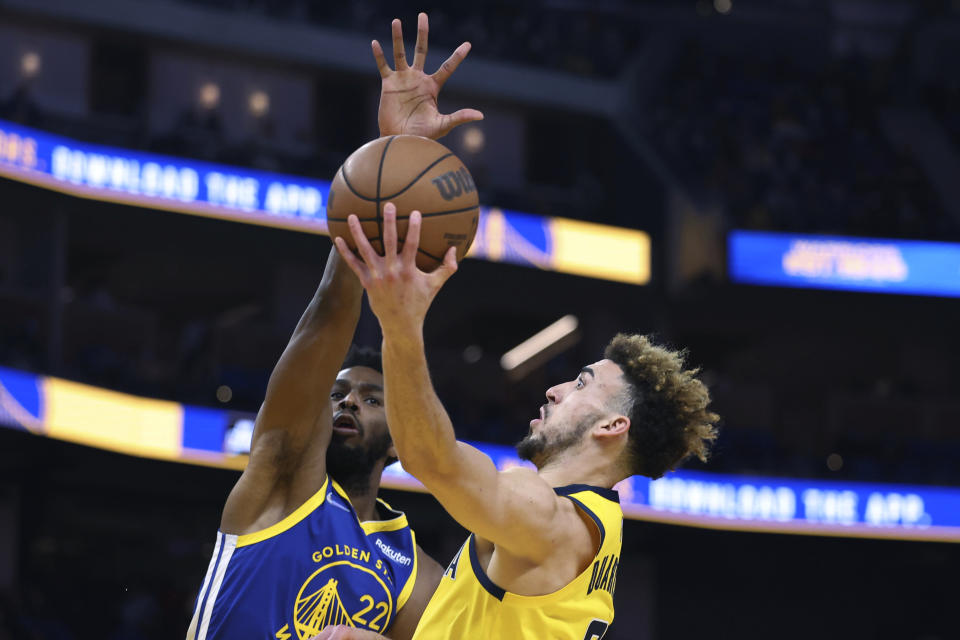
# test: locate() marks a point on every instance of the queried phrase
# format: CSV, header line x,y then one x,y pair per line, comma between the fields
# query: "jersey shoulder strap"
x,y
603,507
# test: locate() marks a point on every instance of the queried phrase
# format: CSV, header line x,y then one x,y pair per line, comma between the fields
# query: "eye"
x,y
579,383
336,395
375,402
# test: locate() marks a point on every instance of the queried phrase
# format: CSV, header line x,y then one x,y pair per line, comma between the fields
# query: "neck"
x,y
363,493
580,467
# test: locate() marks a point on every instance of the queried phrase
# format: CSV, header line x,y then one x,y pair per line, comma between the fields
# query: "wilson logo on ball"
x,y
453,184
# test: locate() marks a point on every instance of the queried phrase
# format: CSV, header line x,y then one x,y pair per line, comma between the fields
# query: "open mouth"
x,y
346,424
543,415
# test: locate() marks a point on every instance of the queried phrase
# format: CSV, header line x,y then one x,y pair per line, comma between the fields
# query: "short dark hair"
x,y
667,405
363,357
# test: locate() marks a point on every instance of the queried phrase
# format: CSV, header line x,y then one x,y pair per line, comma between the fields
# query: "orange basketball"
x,y
415,174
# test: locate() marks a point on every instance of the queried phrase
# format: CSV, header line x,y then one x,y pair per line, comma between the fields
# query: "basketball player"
x,y
303,541
541,561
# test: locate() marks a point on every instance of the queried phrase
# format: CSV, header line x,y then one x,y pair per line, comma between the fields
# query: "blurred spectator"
x,y
572,38
793,149
20,106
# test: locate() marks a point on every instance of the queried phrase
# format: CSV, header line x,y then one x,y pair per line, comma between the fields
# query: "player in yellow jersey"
x,y
541,561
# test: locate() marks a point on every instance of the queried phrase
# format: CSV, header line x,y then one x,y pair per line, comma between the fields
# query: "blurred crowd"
x,y
590,39
783,147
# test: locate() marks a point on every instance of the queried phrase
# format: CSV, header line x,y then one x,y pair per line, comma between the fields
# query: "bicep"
x,y
514,509
278,474
299,388
288,450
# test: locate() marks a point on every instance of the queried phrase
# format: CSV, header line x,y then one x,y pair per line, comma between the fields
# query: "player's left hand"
x,y
408,96
341,632
399,292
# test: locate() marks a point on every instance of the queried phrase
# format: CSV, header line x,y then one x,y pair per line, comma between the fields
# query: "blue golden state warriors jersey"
x,y
319,566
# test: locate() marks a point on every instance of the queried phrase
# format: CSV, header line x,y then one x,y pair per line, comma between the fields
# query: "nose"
x,y
349,401
554,394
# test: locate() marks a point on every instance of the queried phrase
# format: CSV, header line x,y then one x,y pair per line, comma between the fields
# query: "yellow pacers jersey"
x,y
468,605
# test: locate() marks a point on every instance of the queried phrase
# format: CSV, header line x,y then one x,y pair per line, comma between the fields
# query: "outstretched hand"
x,y
408,96
398,291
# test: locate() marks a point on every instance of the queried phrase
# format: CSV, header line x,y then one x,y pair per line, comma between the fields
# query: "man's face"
x,y
360,435
572,408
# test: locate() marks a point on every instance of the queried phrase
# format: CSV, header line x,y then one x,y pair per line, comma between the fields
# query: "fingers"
x,y
382,65
458,118
399,56
412,242
356,265
420,51
450,64
389,234
366,251
447,268
341,632
326,634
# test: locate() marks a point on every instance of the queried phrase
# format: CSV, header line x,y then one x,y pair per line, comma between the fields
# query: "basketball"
x,y
415,174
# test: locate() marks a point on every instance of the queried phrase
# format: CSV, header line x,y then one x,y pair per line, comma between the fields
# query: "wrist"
x,y
390,129
402,336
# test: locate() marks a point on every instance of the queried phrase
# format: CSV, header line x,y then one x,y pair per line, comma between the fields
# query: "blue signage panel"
x,y
691,498
153,180
855,264
777,505
796,506
292,202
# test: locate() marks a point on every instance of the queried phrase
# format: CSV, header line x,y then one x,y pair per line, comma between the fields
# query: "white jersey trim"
x,y
192,629
228,542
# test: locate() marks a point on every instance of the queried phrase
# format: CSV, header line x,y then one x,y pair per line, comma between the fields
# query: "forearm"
x,y
421,429
296,409
337,298
309,364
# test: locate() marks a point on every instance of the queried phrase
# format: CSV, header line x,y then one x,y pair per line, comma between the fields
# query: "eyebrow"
x,y
588,370
362,386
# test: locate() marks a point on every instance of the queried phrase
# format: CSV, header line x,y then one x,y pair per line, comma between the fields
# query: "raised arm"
x,y
287,455
516,510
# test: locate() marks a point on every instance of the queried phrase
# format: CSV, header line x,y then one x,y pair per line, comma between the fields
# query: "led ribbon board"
x,y
170,431
854,264
297,203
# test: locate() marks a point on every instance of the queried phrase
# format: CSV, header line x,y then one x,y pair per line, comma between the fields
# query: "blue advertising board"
x,y
89,415
834,262
773,505
157,181
298,203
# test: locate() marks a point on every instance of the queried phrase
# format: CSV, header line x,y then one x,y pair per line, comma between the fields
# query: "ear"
x,y
612,427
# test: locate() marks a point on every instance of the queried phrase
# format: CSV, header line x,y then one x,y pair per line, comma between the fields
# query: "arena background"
x,y
683,127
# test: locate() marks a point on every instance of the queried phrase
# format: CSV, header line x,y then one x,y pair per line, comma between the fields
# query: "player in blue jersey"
x,y
304,542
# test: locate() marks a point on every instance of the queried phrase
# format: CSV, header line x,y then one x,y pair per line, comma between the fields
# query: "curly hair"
x,y
666,403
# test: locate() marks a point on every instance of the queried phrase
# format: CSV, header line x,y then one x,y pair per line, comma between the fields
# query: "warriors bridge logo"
x,y
341,592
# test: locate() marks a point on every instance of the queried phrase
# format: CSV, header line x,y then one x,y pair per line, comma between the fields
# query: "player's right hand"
x,y
399,293
408,96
